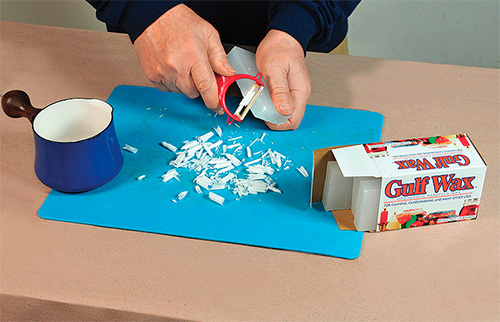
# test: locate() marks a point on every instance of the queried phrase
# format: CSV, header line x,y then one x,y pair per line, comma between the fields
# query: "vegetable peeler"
x,y
224,82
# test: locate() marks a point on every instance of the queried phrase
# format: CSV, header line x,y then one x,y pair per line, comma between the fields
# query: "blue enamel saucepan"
x,y
76,147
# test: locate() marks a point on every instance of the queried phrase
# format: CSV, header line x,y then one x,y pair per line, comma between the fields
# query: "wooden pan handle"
x,y
17,104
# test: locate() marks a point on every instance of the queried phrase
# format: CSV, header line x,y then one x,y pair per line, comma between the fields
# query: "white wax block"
x,y
337,191
368,198
263,108
355,190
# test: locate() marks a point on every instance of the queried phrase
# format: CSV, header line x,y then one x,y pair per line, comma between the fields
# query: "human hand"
x,y
180,52
281,61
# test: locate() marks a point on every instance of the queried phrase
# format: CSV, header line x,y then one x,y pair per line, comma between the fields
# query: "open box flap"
x,y
355,162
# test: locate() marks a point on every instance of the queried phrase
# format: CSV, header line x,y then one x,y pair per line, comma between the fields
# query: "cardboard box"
x,y
422,181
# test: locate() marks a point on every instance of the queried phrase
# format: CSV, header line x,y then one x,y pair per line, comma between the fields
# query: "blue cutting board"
x,y
144,117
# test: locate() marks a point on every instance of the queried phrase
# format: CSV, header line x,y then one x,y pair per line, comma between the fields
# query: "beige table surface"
x,y
61,271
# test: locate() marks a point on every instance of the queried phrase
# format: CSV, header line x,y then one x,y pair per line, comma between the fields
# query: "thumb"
x,y
280,93
217,56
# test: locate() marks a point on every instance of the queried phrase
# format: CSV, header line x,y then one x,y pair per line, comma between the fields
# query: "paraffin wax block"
x,y
366,204
337,191
355,191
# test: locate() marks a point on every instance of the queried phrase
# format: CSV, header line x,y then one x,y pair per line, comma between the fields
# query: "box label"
x,y
427,181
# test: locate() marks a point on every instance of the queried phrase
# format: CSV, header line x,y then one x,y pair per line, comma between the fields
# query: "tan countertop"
x,y
61,271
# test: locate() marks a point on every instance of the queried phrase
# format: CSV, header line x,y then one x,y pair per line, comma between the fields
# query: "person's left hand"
x,y
281,61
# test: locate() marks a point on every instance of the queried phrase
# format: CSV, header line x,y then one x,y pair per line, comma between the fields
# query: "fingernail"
x,y
286,108
229,68
219,111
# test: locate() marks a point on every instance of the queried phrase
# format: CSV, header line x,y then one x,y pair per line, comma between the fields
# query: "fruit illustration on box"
x,y
439,140
419,221
393,223
403,218
408,217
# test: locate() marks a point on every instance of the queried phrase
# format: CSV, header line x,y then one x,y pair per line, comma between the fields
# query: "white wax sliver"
x,y
169,146
128,148
365,216
216,198
218,130
206,136
337,191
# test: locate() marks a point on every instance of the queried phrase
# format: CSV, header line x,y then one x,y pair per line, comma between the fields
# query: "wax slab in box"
x,y
144,117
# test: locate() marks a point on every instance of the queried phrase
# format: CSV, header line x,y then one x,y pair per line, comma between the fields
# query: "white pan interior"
x,y
73,120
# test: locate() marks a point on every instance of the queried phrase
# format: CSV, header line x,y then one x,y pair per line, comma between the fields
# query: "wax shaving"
x,y
207,148
218,130
215,146
303,171
204,182
221,164
205,136
169,146
170,174
256,153
234,160
130,148
226,169
200,175
253,162
278,160
194,149
227,178
253,142
279,154
216,198
181,195
218,186
273,188
141,177
232,146
189,144
260,169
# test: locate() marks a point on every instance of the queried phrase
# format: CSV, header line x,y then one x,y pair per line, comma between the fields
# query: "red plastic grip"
x,y
224,82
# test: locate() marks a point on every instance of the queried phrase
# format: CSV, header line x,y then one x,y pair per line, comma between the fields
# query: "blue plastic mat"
x,y
144,117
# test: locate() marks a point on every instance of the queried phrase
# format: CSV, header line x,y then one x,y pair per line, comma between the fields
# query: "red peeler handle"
x,y
224,82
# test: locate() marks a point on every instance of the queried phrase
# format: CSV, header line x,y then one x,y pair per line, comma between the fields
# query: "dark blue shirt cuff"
x,y
295,21
138,15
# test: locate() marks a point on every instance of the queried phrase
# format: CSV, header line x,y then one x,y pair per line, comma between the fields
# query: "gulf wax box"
x,y
404,183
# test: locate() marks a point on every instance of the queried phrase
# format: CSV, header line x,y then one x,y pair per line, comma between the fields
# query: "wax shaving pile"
x,y
229,165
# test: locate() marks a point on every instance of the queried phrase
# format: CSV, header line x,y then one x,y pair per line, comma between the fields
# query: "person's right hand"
x,y
180,52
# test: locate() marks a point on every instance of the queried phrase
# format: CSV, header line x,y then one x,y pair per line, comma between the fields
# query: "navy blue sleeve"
x,y
133,16
317,25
